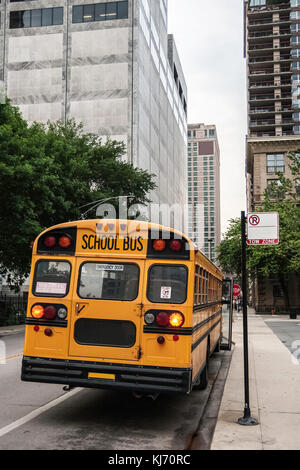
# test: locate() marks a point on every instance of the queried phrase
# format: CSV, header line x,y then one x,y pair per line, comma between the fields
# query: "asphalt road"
x,y
288,331
44,417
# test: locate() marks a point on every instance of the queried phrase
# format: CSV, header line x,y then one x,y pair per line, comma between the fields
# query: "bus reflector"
x,y
159,245
37,311
162,319
160,340
64,241
48,332
176,320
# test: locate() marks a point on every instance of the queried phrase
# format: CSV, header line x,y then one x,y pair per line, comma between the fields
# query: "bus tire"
x,y
218,346
203,380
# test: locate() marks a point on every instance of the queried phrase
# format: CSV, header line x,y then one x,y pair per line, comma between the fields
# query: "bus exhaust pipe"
x,y
138,396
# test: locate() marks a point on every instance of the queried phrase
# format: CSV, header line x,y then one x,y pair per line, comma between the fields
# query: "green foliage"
x,y
46,174
229,251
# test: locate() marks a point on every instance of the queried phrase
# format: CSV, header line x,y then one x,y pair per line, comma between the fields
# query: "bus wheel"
x,y
203,380
218,346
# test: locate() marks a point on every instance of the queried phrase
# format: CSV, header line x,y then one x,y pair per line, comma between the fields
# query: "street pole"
x,y
247,420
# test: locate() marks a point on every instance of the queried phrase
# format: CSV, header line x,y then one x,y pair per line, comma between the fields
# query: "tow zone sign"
x,y
263,228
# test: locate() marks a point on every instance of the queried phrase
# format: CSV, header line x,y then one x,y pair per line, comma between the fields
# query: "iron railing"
x,y
12,310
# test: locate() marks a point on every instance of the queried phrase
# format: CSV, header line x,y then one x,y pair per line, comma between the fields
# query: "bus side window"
x,y
206,287
196,285
201,286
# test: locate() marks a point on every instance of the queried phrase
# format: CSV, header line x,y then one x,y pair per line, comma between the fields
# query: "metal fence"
x,y
12,310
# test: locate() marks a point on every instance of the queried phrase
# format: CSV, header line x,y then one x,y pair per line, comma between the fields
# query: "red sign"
x,y
236,290
254,220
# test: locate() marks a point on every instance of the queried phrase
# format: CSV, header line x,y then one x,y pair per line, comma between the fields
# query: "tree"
x,y
47,173
280,260
229,250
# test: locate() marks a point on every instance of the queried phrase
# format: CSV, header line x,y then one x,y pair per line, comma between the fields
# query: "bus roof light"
x,y
50,241
176,245
64,241
159,245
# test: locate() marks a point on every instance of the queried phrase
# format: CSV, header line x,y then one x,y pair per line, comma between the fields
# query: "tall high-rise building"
x,y
272,50
110,65
204,187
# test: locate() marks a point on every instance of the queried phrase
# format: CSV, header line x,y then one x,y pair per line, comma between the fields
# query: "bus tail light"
x,y
176,320
50,312
162,319
37,311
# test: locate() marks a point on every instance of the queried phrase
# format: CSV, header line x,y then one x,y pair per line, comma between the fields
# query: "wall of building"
x,y
204,187
114,76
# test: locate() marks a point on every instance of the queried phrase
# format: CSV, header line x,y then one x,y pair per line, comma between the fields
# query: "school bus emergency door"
x,y
106,309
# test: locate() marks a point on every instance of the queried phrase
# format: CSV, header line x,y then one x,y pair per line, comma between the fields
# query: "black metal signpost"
x,y
247,419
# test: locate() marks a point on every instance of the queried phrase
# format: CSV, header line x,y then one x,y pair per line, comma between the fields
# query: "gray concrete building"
x,y
204,187
110,65
272,51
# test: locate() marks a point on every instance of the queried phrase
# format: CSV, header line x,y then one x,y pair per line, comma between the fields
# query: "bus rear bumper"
x,y
141,379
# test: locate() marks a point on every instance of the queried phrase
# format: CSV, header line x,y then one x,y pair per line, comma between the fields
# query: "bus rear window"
x,y
109,281
51,278
167,284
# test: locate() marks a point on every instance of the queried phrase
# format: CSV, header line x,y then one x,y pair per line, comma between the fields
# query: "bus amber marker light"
x,y
64,242
37,311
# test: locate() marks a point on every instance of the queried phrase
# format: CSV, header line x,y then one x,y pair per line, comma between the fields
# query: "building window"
x,y
275,163
36,18
257,3
100,12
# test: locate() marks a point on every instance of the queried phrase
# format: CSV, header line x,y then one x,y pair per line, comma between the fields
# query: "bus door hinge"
x,y
139,353
140,310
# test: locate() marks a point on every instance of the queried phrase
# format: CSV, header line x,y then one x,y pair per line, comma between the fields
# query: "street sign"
x,y
236,290
263,228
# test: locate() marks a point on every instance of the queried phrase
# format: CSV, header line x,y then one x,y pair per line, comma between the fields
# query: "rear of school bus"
x,y
111,306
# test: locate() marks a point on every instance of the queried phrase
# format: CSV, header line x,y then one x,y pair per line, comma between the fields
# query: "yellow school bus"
x,y
122,305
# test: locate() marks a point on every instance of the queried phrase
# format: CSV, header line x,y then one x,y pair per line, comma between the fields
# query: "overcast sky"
x,y
209,38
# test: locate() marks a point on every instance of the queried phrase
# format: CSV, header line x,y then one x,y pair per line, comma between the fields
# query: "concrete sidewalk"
x,y
274,393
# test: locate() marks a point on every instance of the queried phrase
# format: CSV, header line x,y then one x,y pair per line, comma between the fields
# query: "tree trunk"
x,y
285,290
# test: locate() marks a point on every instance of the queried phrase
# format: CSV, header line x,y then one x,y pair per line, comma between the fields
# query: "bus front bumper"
x,y
141,379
